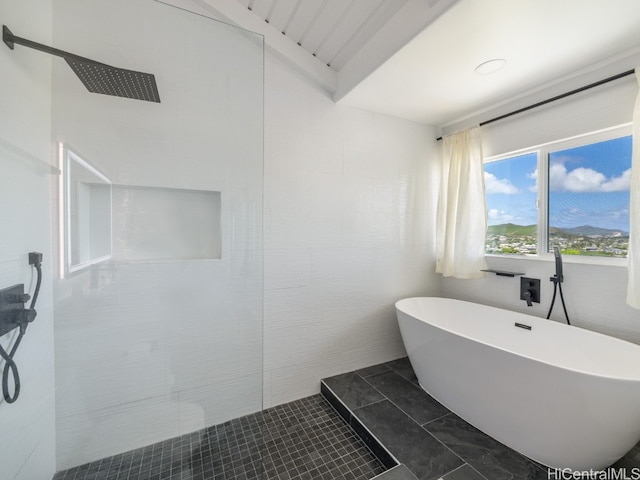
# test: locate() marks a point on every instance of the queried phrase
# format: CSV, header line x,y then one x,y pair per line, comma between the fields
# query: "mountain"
x,y
510,229
589,230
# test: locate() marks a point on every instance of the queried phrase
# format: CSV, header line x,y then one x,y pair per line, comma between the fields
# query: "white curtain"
x,y
461,220
633,285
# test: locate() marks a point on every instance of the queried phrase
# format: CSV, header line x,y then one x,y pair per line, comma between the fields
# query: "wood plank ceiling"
x,y
331,30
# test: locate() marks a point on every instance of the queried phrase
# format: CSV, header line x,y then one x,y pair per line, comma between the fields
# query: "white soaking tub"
x,y
561,395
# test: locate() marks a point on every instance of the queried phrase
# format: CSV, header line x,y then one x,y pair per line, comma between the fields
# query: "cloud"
x,y
582,180
498,185
500,215
618,184
533,176
624,213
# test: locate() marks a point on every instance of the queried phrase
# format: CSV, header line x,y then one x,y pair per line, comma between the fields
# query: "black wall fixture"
x,y
530,290
97,77
14,315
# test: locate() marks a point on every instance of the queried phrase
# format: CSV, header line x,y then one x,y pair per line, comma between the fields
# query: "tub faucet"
x,y
527,298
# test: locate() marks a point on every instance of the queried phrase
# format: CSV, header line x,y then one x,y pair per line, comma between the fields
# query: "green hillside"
x,y
510,229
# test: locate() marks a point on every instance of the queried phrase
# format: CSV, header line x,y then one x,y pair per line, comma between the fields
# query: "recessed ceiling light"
x,y
491,66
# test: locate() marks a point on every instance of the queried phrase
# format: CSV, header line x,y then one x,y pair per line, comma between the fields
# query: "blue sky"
x,y
511,190
588,185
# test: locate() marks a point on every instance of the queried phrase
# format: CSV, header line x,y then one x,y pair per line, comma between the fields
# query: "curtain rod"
x,y
557,97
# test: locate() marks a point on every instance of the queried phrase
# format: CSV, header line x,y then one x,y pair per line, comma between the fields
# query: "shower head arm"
x,y
10,39
97,77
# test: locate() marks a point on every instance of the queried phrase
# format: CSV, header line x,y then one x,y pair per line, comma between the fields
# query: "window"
x,y
573,194
589,198
512,217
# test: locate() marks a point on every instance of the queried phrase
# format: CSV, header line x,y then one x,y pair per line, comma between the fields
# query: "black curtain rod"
x,y
557,97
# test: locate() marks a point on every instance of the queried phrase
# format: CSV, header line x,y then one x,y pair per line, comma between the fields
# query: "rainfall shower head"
x,y
96,76
101,78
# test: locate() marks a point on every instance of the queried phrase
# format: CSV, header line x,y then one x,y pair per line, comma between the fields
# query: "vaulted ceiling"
x,y
333,31
336,43
415,59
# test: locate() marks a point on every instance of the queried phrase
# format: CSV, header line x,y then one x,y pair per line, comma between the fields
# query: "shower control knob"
x,y
17,298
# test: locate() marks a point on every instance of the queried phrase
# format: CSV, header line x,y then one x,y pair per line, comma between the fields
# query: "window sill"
x,y
568,259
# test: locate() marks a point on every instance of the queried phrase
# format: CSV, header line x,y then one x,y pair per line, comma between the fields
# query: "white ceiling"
x,y
432,79
415,59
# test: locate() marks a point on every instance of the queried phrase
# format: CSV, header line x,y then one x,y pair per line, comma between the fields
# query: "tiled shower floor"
x,y
308,440
301,440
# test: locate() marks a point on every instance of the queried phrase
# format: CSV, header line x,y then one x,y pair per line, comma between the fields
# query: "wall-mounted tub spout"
x,y
530,290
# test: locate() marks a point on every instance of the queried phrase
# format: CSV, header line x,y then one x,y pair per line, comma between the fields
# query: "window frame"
x,y
542,202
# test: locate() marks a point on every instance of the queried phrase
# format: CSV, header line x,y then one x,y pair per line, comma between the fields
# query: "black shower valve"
x,y
16,318
530,290
27,315
20,316
13,297
13,313
16,298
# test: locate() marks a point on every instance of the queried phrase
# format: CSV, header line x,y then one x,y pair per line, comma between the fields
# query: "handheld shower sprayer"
x,y
557,280
558,257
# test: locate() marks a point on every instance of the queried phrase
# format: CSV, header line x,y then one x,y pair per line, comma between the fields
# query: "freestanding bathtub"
x,y
561,395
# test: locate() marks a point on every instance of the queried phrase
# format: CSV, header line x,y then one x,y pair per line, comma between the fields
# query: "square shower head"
x,y
96,76
108,80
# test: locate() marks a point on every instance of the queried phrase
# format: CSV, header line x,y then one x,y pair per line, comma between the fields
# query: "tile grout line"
x,y
381,475
467,463
389,369
451,412
436,419
470,466
413,420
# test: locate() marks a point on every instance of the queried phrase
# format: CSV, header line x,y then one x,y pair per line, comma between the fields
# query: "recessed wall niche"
x,y
151,223
87,212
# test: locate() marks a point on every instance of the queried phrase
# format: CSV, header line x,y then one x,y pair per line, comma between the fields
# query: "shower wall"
x,y
27,438
165,337
350,200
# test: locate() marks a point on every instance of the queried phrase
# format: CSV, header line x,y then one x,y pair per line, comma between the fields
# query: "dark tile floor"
x,y
301,440
385,405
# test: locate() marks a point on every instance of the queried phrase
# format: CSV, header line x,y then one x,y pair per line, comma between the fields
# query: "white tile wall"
x,y
27,427
349,204
149,350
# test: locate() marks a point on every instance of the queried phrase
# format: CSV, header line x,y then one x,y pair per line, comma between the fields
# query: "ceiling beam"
x,y
279,44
